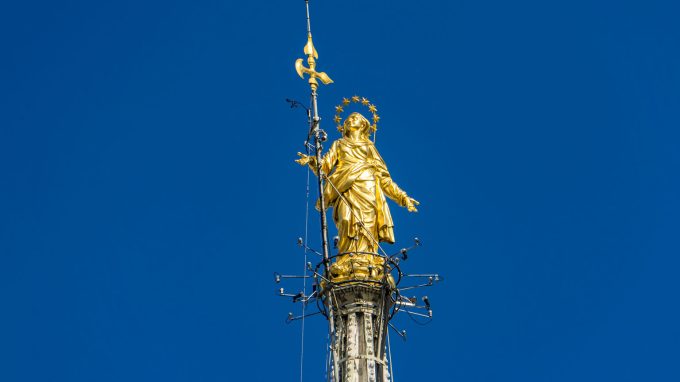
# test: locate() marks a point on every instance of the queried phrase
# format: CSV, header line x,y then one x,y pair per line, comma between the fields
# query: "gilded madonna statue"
x,y
357,184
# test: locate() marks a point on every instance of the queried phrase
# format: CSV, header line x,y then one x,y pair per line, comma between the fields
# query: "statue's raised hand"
x,y
306,159
411,204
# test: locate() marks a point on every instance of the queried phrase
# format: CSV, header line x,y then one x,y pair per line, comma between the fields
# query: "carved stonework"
x,y
361,313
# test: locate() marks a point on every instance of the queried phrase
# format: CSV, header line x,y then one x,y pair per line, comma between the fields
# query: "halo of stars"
x,y
360,100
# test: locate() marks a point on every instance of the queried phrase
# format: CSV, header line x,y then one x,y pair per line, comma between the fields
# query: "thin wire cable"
x,y
389,353
304,282
328,357
417,321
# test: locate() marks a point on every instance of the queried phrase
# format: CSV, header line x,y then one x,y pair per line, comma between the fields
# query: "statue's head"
x,y
356,122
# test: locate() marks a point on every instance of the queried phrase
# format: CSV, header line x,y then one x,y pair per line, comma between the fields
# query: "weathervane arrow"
x,y
312,55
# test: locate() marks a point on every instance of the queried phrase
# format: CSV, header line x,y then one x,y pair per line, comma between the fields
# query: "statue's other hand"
x,y
304,159
411,204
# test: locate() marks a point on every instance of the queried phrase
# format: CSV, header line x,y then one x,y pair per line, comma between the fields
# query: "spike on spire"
x,y
312,56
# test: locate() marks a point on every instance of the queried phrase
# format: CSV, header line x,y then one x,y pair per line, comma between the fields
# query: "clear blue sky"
x,y
148,190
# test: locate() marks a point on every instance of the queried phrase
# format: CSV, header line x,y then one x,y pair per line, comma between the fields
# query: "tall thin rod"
x,y
319,137
309,25
324,223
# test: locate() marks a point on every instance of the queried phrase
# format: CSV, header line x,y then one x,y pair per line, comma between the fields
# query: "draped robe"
x,y
356,189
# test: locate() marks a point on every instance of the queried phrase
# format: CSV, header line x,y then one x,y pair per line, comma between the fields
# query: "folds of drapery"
x,y
359,174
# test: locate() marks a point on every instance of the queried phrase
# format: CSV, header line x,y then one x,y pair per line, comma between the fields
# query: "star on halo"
x,y
355,99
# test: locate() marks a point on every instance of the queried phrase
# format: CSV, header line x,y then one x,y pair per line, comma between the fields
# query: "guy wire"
x,y
304,282
328,357
389,353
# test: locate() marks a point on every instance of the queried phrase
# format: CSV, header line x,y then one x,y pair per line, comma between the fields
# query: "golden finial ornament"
x,y
312,55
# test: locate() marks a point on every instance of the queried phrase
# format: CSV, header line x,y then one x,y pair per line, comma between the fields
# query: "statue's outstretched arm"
x,y
390,188
307,160
397,194
327,162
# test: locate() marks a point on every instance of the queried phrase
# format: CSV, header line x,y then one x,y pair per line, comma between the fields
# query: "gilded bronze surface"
x,y
312,55
357,184
356,99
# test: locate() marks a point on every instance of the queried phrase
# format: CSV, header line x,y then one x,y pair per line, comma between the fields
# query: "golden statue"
x,y
357,181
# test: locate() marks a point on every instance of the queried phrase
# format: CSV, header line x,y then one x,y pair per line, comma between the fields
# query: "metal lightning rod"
x,y
320,136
